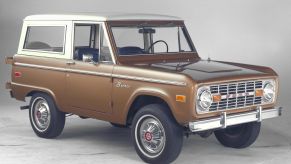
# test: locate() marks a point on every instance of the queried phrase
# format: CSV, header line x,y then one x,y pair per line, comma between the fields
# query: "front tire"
x,y
239,136
157,137
46,120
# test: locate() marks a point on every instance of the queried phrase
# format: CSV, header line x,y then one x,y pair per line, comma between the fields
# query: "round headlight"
x,y
205,99
268,91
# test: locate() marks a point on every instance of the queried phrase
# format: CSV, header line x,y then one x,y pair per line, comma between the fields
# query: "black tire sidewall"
x,y
247,137
173,132
57,119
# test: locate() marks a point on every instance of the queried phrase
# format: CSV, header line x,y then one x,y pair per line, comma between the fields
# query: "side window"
x,y
86,42
90,44
45,38
105,54
82,36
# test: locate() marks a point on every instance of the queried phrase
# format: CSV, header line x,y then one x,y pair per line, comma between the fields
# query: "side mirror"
x,y
88,58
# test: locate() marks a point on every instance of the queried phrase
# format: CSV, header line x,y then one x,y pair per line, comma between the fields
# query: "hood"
x,y
204,70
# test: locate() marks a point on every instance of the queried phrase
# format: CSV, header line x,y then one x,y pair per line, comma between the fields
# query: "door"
x,y
89,75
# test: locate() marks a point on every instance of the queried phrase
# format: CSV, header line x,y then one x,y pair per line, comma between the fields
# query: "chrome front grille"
x,y
236,95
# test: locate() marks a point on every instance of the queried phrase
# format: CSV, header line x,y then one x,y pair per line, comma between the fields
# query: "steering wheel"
x,y
158,41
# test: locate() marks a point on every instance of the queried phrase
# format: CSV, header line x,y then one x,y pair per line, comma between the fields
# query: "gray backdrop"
x,y
246,31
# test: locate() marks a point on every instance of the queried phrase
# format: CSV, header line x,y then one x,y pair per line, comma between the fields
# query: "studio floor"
x,y
92,141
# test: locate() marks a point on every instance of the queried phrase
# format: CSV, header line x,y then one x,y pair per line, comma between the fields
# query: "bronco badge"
x,y
121,85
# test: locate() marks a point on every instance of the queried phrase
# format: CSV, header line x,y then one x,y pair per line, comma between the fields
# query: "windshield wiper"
x,y
142,24
170,24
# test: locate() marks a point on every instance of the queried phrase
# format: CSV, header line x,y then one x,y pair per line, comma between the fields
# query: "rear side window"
x,y
45,38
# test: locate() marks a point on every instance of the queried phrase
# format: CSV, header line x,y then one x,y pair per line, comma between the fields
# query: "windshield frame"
x,y
145,23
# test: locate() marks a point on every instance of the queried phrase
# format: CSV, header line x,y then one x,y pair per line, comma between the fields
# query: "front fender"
x,y
181,115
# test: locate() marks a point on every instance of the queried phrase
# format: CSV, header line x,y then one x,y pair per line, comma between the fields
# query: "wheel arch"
x,y
47,92
32,92
145,98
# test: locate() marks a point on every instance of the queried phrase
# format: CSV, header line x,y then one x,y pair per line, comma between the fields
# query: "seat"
x,y
80,51
130,50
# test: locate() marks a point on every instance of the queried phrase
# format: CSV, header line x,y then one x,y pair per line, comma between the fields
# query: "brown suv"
x,y
140,71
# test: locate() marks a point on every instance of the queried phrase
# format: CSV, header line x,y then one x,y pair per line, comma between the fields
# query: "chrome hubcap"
x,y
152,136
40,114
148,136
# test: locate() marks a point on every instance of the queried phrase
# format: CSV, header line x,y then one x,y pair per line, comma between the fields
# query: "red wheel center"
x,y
148,136
38,114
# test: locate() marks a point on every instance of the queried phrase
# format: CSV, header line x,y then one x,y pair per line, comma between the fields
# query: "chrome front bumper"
x,y
234,119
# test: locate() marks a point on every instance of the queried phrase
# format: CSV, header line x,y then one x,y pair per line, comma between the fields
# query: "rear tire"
x,y
156,135
46,120
239,136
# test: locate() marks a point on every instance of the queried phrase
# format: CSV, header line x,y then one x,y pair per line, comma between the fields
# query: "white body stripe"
x,y
102,74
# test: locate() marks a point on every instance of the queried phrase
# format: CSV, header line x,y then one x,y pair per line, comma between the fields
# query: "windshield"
x,y
134,40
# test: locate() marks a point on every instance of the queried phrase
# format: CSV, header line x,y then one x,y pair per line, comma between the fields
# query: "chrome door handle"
x,y
70,63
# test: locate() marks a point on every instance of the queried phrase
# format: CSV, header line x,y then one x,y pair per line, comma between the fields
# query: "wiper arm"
x,y
181,67
169,24
142,24
161,25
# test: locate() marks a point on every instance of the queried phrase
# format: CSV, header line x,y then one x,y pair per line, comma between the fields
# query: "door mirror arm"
x,y
93,62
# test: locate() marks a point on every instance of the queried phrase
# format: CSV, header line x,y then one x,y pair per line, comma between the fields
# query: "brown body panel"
x,y
123,97
88,86
107,91
73,92
32,79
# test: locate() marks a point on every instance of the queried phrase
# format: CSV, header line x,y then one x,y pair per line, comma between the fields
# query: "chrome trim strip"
x,y
89,72
40,67
63,69
102,74
150,80
225,121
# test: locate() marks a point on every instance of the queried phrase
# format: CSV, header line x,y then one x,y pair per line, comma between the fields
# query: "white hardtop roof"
x,y
100,17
